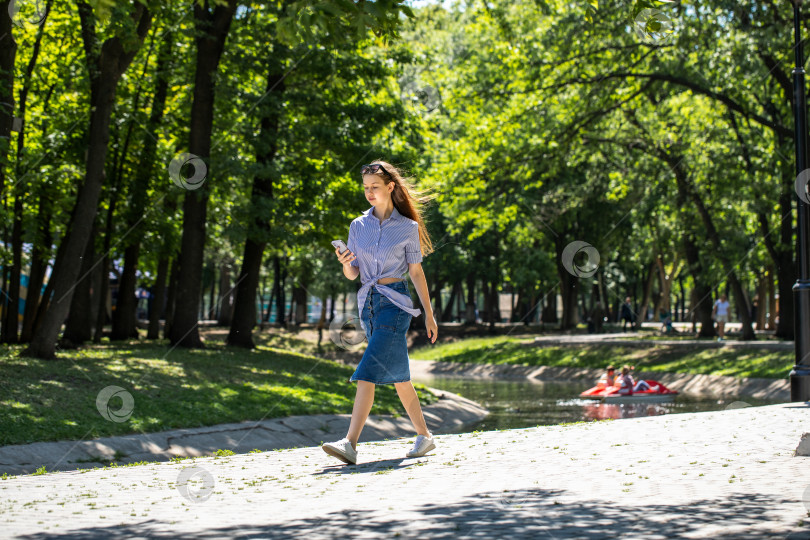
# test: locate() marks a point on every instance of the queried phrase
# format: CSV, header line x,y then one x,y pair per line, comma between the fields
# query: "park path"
x,y
631,339
723,474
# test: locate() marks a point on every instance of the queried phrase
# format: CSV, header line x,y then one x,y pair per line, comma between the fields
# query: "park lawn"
x,y
43,400
737,362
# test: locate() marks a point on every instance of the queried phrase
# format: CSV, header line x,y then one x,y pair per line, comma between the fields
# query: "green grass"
x,y
50,400
738,362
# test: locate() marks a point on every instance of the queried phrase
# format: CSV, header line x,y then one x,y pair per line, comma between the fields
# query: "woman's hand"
x,y
346,258
432,327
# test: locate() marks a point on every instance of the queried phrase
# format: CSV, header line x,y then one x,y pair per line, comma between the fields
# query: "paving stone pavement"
x,y
722,474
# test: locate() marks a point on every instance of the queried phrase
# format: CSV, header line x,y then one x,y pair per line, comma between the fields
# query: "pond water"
x,y
520,403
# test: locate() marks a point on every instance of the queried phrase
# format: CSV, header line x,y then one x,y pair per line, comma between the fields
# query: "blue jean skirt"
x,y
385,360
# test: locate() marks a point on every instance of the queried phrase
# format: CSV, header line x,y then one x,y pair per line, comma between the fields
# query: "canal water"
x,y
519,404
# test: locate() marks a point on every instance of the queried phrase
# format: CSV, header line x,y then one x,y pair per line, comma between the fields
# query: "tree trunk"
x,y
469,315
701,293
225,298
212,27
771,300
12,300
103,293
495,303
10,325
437,300
174,275
101,315
686,189
301,303
269,309
569,292
447,314
321,322
124,319
106,64
761,301
646,294
212,293
280,279
39,262
8,54
78,326
549,312
244,318
158,299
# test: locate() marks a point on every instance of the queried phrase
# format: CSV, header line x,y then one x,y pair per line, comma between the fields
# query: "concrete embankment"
x,y
450,413
706,385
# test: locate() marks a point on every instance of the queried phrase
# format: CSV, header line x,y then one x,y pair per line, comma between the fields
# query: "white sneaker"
x,y
422,446
342,450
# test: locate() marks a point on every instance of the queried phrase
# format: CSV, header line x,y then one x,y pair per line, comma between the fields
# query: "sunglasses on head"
x,y
373,169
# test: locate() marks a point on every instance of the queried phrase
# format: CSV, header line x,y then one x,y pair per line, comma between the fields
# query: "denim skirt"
x,y
385,360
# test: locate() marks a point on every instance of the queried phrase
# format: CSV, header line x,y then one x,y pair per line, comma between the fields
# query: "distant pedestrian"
x,y
720,315
666,322
626,315
598,317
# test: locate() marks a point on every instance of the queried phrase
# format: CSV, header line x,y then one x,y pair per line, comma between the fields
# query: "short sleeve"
x,y
413,252
352,245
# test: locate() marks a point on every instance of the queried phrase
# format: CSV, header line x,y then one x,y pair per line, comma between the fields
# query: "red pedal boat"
x,y
657,393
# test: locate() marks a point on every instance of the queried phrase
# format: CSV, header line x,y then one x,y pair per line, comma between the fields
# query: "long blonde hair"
x,y
407,200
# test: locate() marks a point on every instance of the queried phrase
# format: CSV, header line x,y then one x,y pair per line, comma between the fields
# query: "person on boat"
x,y
608,378
627,385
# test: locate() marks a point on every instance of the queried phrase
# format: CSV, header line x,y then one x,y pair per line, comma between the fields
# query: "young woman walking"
x,y
385,241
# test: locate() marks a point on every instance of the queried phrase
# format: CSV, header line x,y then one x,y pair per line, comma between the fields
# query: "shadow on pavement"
x,y
526,514
367,467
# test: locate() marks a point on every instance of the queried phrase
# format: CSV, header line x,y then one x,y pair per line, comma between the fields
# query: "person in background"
x,y
608,378
666,322
598,317
720,314
627,385
625,382
626,315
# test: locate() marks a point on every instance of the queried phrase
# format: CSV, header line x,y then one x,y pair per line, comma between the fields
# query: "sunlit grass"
x,y
48,400
739,362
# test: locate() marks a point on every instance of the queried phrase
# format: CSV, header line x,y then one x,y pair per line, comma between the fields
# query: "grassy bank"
x,y
56,400
738,362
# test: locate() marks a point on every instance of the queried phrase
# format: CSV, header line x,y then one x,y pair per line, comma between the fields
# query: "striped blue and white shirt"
x,y
384,250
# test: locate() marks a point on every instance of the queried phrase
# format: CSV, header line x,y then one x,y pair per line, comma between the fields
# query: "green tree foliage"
x,y
659,132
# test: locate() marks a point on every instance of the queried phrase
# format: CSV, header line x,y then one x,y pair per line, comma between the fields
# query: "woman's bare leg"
x,y
407,394
363,401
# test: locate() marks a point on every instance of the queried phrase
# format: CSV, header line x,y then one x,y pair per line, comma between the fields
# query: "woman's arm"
x,y
418,278
351,266
351,272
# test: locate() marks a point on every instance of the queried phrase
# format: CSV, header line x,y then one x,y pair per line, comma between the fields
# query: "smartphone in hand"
x,y
340,245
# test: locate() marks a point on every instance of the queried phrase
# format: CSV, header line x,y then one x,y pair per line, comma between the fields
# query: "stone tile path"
x,y
725,474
